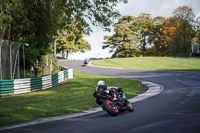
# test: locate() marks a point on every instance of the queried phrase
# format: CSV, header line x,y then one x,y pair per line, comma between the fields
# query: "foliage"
x,y
38,22
163,34
45,63
30,22
144,24
135,31
122,42
157,36
184,24
98,12
72,41
79,16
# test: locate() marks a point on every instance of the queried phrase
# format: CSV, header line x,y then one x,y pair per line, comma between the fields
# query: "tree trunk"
x,y
67,53
63,53
55,56
3,31
144,45
54,46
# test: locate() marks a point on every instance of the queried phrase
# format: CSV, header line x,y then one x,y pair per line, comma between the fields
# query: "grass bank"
x,y
152,63
72,96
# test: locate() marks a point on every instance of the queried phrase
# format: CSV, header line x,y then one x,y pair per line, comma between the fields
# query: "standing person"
x,y
36,67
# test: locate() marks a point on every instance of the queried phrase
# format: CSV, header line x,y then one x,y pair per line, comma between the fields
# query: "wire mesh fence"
x,y
9,59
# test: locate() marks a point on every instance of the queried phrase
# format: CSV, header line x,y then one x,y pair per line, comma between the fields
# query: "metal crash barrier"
x,y
19,86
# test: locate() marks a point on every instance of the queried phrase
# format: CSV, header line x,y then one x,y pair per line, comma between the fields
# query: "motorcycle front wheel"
x,y
130,107
112,110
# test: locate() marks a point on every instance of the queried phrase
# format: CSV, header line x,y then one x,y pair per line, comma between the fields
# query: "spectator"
x,y
36,67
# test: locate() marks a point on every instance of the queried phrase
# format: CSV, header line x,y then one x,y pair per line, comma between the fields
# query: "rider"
x,y
101,89
86,61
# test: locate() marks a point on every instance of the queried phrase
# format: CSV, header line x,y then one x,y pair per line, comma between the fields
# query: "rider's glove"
x,y
114,98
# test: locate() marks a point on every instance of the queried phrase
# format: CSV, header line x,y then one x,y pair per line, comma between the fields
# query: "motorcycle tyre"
x,y
107,108
130,109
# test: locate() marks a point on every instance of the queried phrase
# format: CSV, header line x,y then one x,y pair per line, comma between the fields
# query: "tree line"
x,y
58,25
158,36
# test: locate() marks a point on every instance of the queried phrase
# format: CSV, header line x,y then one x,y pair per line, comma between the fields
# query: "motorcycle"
x,y
113,106
85,63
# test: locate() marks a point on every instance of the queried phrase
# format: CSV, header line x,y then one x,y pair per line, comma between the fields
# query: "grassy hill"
x,y
152,63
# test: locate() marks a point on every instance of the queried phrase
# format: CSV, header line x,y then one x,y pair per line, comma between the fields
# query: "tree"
x,y
98,12
13,19
141,27
72,41
135,33
123,43
85,13
145,27
174,35
30,22
183,21
39,22
163,35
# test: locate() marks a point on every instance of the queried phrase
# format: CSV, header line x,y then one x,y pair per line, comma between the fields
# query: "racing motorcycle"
x,y
111,105
85,63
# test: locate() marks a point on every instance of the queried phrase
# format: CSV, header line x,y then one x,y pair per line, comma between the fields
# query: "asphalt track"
x,y
175,110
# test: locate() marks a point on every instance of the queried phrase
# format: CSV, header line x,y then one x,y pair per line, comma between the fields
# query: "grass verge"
x,y
152,63
72,96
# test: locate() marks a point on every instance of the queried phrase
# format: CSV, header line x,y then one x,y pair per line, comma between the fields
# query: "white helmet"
x,y
101,82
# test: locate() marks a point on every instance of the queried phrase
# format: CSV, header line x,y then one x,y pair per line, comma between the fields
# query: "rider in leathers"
x,y
101,91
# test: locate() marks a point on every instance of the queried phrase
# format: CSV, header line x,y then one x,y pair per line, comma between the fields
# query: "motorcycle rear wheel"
x,y
112,110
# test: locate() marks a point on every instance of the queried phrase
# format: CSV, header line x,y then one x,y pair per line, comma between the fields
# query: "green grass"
x,y
72,96
152,63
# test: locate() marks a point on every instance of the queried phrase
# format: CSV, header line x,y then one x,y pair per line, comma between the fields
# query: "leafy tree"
x,y
85,13
183,21
164,32
13,19
176,33
135,33
98,12
40,22
161,36
72,41
123,43
30,22
145,29
196,39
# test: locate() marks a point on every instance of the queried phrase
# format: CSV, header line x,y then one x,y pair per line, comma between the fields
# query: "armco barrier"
x,y
19,86
46,82
22,85
6,87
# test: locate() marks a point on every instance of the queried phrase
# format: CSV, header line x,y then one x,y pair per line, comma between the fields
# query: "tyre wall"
x,y
19,86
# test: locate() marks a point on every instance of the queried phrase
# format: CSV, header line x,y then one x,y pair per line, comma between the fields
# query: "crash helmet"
x,y
101,82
